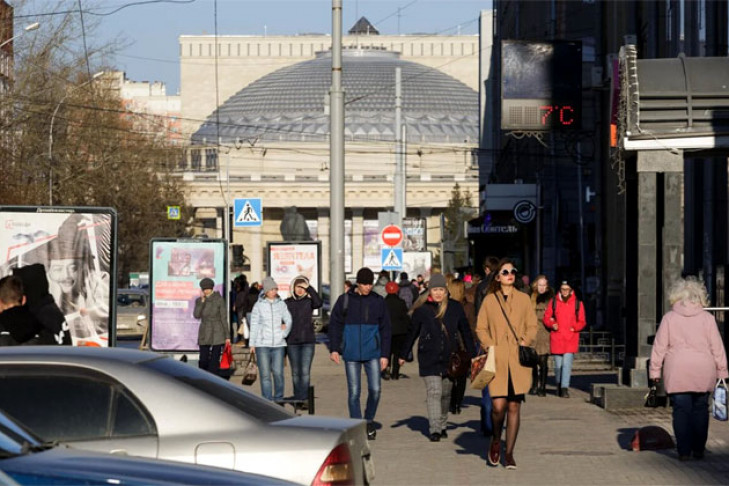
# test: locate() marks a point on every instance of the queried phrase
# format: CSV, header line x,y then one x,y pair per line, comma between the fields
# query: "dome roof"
x,y
292,103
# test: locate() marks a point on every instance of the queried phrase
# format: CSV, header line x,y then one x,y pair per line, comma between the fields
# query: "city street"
x,y
561,441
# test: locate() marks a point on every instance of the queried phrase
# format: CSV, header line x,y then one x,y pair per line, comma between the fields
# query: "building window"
x,y
211,159
195,159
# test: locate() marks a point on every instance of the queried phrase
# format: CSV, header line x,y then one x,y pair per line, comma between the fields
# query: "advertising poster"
x,y
371,245
417,263
77,247
286,261
176,269
413,230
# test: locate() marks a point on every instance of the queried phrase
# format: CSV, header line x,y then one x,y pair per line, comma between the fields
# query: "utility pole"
x,y
399,181
336,148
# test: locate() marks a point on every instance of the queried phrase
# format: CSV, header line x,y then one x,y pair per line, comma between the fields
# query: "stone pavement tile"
x,y
561,441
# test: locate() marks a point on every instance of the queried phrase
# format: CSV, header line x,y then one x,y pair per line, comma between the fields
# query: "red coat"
x,y
566,339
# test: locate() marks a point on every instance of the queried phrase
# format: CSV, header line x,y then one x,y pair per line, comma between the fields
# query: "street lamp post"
x,y
50,134
27,28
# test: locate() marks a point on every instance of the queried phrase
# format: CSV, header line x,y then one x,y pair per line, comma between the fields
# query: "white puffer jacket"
x,y
270,323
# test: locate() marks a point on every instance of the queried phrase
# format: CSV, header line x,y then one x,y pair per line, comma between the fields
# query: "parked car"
x,y
151,405
132,312
26,460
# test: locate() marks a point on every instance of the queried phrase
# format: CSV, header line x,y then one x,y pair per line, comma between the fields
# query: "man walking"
x,y
360,333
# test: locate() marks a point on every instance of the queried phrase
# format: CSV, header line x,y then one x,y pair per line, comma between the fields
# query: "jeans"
x,y
563,369
354,376
300,356
210,357
690,421
271,360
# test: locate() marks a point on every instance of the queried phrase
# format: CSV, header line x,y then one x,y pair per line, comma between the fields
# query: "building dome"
x,y
291,104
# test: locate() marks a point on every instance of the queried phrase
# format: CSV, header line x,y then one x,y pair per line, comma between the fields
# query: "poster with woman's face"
x,y
77,247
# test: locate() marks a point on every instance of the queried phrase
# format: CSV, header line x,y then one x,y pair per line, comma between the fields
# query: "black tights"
x,y
501,410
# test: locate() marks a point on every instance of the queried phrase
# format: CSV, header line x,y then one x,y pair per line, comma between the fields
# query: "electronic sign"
x,y
541,85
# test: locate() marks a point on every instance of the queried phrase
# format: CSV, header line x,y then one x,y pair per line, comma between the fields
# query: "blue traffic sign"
x,y
247,212
392,259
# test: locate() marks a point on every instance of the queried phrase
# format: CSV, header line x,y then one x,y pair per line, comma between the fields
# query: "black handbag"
x,y
653,400
527,355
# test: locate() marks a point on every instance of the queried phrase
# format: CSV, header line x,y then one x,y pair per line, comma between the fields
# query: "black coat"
x,y
302,329
434,349
399,318
19,326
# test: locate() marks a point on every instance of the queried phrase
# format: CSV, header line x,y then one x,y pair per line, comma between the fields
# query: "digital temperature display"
x,y
541,85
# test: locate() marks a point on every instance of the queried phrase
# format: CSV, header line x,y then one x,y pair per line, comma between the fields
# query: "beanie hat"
x,y
404,276
35,282
269,284
207,283
365,276
392,287
437,280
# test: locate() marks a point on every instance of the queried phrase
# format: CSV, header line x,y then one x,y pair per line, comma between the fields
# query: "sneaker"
x,y
509,460
371,432
434,437
443,434
564,393
494,455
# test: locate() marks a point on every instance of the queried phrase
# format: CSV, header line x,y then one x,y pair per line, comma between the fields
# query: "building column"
x,y
673,233
323,225
357,238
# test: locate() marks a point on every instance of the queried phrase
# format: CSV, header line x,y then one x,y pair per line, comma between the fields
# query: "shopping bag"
x,y
243,329
226,358
718,408
483,369
251,371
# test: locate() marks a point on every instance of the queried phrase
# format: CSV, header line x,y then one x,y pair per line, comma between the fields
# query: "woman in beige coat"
x,y
512,380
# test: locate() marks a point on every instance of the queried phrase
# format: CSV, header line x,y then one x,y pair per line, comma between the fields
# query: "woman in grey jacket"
x,y
270,324
212,335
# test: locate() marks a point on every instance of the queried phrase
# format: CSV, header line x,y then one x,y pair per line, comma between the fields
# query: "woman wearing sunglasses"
x,y
506,320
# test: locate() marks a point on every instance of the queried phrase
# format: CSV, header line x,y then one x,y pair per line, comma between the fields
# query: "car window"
x,y
131,300
67,404
228,393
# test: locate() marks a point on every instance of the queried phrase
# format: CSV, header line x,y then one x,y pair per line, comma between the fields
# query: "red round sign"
x,y
392,235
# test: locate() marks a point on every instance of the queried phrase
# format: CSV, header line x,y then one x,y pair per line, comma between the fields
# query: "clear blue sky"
x,y
152,29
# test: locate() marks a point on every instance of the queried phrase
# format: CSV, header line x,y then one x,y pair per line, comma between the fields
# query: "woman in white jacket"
x,y
270,324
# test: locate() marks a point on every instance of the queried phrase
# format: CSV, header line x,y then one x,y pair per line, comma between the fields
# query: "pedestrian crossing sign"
x,y
392,259
247,212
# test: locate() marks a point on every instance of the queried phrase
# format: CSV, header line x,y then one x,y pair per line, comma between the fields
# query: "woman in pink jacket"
x,y
688,347
565,318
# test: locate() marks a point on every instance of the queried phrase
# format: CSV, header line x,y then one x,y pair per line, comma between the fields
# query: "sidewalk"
x,y
561,441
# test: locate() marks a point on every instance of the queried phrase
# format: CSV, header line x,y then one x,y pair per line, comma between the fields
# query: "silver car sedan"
x,y
146,404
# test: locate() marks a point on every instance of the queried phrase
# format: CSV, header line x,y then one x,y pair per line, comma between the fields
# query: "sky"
x,y
151,28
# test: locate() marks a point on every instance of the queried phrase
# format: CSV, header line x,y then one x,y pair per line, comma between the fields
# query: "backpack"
x,y
406,294
577,307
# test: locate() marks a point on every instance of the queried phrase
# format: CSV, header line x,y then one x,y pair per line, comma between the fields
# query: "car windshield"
x,y
14,440
236,397
131,300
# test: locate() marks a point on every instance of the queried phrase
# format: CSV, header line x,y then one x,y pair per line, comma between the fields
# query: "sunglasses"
x,y
506,272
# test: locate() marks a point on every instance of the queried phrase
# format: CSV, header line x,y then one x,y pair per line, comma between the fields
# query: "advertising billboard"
x,y
286,261
176,268
77,247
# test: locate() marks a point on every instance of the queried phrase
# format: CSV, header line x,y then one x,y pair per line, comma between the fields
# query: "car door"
x,y
82,407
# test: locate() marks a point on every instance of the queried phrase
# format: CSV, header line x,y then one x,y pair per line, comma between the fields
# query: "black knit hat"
x,y
207,283
365,276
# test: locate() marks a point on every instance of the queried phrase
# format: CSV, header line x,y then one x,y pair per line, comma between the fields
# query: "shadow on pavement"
x,y
415,423
470,440
625,437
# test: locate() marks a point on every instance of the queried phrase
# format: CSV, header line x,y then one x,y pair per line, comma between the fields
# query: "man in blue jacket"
x,y
360,333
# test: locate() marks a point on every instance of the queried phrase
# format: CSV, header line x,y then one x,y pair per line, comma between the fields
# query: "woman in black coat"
x,y
437,321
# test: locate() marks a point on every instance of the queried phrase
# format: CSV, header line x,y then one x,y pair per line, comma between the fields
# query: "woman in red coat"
x,y
565,317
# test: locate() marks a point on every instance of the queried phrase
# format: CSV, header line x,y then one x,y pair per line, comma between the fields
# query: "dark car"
x,y
26,460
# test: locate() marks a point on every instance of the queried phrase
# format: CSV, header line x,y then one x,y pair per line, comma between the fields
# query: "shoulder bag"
x,y
527,355
459,361
250,373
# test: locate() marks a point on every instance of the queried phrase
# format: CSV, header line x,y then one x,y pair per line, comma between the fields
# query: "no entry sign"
x,y
391,235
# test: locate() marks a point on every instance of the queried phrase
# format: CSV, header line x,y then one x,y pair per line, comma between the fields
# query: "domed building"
x,y
273,143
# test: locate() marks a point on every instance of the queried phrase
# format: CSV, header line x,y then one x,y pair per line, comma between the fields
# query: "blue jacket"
x,y
364,333
266,320
434,349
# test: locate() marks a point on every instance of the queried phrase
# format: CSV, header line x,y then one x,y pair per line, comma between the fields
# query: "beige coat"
x,y
492,330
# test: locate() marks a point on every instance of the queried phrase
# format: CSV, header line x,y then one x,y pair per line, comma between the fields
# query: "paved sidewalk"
x,y
561,441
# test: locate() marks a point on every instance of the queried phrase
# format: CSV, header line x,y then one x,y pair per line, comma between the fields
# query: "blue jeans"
x,y
563,369
354,376
271,360
690,421
300,356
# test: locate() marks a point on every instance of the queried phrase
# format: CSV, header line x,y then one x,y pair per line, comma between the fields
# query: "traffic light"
x,y
238,258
